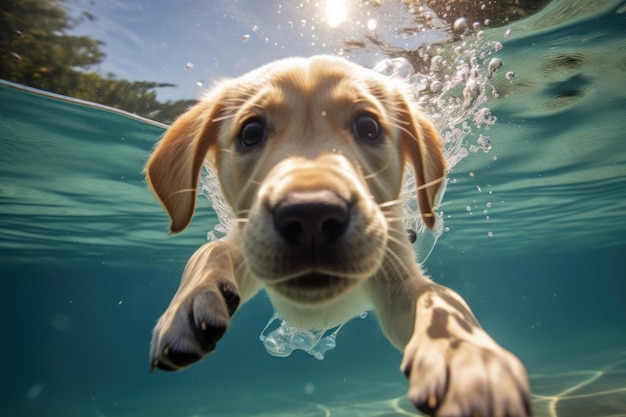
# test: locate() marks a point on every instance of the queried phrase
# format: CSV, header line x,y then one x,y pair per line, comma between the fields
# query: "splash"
x,y
210,188
425,238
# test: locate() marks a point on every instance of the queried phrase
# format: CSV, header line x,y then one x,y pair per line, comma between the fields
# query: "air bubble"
x,y
484,116
34,392
245,38
395,68
281,342
61,321
510,75
497,46
494,65
436,86
508,32
436,63
490,234
372,24
188,66
485,143
460,24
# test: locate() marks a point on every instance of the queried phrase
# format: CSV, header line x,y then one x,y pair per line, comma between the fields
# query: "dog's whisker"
x,y
393,219
227,151
374,174
398,125
390,203
278,279
222,118
393,264
382,169
399,241
186,190
431,183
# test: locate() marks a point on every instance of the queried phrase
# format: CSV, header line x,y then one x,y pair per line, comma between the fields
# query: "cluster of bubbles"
x,y
453,93
286,338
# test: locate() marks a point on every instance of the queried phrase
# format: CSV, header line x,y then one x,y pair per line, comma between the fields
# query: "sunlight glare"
x,y
336,12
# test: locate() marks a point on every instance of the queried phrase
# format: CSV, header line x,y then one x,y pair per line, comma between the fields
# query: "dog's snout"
x,y
311,219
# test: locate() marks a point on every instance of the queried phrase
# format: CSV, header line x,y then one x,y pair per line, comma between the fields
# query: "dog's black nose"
x,y
313,219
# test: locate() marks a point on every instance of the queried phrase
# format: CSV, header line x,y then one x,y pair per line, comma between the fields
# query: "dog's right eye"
x,y
252,133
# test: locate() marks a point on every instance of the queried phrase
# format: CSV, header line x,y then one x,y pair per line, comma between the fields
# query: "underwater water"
x,y
534,238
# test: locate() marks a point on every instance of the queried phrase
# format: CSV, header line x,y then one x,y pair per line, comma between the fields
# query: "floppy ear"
x,y
421,145
173,170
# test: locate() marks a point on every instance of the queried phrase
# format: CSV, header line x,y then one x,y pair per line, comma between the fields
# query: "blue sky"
x,y
155,40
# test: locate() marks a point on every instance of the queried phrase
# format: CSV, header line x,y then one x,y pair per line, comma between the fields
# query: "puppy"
x,y
310,155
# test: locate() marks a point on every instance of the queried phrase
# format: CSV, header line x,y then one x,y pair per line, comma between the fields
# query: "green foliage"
x,y
36,50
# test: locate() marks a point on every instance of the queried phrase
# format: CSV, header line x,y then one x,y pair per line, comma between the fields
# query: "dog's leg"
x,y
454,367
200,311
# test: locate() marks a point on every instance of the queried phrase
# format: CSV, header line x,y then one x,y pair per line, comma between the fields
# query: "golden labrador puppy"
x,y
310,155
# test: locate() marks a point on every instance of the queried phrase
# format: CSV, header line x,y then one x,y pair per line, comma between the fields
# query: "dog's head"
x,y
310,155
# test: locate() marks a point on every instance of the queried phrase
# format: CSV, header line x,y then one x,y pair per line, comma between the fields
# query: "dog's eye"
x,y
252,133
367,128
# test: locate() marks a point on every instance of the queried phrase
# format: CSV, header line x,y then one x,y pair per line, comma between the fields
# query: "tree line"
x,y
37,50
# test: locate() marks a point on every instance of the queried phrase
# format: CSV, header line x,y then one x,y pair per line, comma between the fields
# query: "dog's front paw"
x,y
191,326
461,379
455,368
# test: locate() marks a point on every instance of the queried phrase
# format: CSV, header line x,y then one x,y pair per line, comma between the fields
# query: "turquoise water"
x,y
535,240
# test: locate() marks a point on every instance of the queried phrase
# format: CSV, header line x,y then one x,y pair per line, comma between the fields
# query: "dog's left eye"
x,y
367,128
252,133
